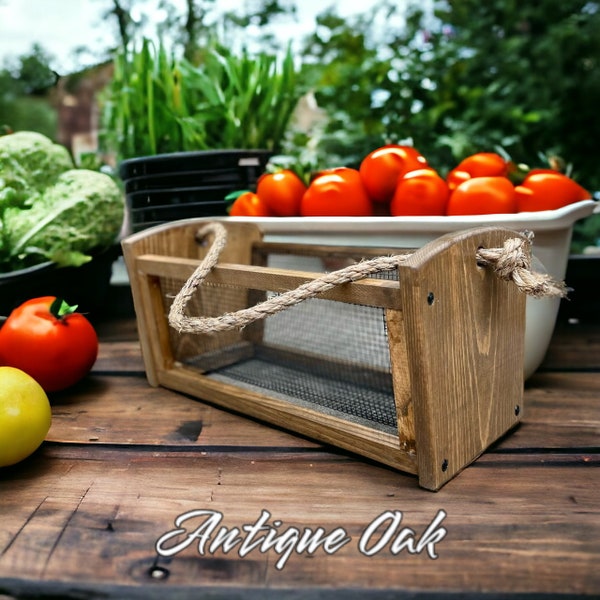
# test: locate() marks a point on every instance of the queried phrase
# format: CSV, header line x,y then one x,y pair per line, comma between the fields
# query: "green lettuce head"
x,y
80,212
29,163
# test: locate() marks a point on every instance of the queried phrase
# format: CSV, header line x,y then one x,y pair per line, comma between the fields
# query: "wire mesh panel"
x,y
327,355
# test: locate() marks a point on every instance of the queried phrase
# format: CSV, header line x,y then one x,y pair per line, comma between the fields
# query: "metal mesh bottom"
x,y
370,402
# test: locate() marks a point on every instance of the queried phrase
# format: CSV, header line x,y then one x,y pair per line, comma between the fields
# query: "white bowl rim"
x,y
548,220
540,220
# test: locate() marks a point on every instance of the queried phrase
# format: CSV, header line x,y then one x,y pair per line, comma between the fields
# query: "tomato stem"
x,y
59,308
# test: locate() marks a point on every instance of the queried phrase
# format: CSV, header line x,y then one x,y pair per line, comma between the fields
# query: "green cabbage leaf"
x,y
49,210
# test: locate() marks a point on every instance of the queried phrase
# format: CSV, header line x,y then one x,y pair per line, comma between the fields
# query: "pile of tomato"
x,y
396,180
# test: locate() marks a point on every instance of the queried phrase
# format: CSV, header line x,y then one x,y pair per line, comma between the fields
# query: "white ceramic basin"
x,y
552,229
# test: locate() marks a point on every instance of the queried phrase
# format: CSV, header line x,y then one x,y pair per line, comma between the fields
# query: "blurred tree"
x,y
32,72
193,30
523,76
526,75
120,11
25,82
345,67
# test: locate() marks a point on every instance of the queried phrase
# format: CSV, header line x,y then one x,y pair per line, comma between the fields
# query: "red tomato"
x,y
282,192
484,164
481,164
381,169
544,189
483,195
420,193
47,340
336,193
455,178
249,204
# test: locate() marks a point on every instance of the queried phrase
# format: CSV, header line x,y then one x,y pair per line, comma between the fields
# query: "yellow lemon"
x,y
25,415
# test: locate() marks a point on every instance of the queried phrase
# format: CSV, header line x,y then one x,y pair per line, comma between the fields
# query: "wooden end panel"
x,y
176,241
465,344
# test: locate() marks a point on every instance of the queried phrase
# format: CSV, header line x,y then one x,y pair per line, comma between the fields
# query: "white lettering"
x,y
403,539
201,533
395,518
262,535
432,535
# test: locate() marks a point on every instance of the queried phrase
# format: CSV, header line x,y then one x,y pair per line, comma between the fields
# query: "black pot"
x,y
582,277
87,285
182,185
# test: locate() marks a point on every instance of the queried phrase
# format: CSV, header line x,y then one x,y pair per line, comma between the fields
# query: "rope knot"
x,y
512,263
515,254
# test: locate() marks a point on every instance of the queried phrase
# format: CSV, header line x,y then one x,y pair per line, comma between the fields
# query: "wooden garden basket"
x,y
418,365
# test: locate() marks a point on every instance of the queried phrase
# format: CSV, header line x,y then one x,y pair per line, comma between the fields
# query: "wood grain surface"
x,y
82,516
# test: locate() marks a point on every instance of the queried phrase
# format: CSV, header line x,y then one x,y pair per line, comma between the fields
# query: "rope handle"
x,y
512,262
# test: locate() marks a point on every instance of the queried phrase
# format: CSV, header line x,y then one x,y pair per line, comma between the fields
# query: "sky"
x,y
60,26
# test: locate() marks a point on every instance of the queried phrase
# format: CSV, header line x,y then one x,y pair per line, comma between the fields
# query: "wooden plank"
x,y
465,338
126,410
328,428
119,357
111,329
561,408
562,412
509,528
553,399
369,292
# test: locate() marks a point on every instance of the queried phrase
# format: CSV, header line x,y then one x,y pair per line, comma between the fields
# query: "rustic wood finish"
x,y
456,343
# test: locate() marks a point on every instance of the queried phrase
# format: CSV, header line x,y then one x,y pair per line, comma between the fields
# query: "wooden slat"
x,y
331,429
320,250
464,333
369,292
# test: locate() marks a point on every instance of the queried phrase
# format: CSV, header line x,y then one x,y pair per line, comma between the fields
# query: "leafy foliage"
x,y
158,103
23,84
523,76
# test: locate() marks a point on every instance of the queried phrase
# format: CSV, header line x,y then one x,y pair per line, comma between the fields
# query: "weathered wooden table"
x,y
141,492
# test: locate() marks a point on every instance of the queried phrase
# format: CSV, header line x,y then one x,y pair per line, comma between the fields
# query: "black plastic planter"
x,y
583,274
181,185
87,285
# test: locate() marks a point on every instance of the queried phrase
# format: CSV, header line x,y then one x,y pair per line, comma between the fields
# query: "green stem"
x,y
60,309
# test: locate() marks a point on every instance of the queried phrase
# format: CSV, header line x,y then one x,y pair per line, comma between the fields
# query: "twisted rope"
x,y
512,262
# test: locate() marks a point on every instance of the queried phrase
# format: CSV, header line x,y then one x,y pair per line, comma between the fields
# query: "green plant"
x,y
157,103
